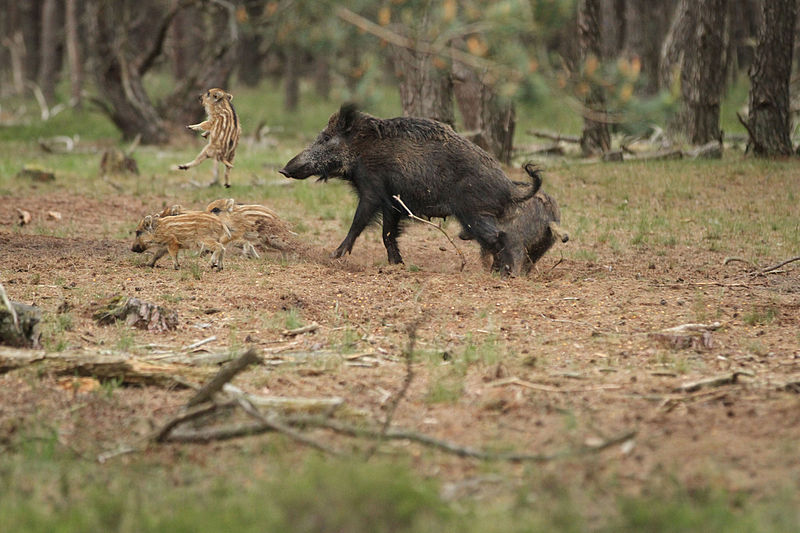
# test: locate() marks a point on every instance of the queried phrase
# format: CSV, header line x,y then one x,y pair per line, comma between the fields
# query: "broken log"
x,y
123,368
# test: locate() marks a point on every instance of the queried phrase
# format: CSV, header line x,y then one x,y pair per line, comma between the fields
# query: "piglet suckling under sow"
x,y
434,171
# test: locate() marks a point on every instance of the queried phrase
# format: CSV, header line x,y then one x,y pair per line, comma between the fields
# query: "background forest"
x,y
633,67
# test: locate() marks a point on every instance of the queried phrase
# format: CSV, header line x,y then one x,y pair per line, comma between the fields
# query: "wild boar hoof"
x,y
227,186
183,167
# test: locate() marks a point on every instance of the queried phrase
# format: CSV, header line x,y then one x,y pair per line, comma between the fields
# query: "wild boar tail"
x,y
522,194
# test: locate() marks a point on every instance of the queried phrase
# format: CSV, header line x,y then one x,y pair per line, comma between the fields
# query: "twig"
x,y
727,379
300,331
513,380
557,137
199,343
565,321
455,449
415,217
409,355
272,422
687,328
740,260
775,267
163,434
226,373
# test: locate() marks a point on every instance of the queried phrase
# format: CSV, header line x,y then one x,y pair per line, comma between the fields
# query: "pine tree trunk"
x,y
769,121
703,72
426,90
595,138
488,121
647,23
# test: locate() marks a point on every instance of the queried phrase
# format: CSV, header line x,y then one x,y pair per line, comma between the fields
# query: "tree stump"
x,y
25,333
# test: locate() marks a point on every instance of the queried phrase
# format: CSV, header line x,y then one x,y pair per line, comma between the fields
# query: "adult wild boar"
x,y
434,171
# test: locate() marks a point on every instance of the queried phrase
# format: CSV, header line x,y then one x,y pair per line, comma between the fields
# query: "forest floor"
x,y
566,359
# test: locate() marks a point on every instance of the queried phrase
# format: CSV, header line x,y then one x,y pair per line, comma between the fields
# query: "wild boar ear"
x,y
229,204
175,210
148,222
347,117
229,96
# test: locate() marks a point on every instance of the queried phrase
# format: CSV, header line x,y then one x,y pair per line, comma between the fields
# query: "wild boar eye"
x,y
138,233
216,210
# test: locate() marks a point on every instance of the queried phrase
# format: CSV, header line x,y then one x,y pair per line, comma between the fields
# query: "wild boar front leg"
x,y
391,227
218,255
202,126
364,212
158,254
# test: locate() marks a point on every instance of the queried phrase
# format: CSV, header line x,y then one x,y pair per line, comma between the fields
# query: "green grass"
x,y
44,487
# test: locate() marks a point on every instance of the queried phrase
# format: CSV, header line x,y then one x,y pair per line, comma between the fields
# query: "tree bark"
x,y
703,72
646,24
769,120
73,52
426,90
674,45
118,78
488,120
49,48
595,138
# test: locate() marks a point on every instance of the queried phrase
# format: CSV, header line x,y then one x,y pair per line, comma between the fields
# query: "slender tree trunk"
x,y
675,43
595,138
768,122
49,40
73,52
703,73
291,88
613,28
647,23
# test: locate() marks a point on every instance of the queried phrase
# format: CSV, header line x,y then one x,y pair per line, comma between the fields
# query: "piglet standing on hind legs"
x,y
222,129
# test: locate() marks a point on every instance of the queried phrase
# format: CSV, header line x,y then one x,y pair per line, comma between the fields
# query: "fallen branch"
x,y
415,217
300,331
727,379
120,367
199,343
271,421
549,388
226,373
775,267
557,137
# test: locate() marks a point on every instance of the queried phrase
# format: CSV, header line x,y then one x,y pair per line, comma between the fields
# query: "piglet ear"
x,y
347,117
229,96
230,203
148,222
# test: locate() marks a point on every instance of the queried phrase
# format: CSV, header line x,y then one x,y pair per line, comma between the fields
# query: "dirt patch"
x,y
574,334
